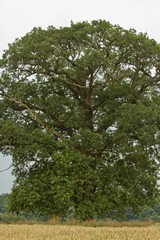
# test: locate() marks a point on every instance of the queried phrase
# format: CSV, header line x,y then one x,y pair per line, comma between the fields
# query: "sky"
x,y
17,17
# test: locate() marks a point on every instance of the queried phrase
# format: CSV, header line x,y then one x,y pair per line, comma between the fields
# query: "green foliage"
x,y
79,113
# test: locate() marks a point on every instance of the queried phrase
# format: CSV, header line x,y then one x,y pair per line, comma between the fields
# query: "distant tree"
x,y
80,115
4,203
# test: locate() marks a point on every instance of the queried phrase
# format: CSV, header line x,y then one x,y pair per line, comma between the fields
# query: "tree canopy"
x,y
79,113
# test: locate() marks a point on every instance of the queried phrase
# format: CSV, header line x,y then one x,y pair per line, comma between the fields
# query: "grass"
x,y
64,232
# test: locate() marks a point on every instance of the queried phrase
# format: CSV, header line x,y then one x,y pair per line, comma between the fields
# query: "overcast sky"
x,y
17,17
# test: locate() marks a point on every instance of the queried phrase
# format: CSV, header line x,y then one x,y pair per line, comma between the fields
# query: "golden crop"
x,y
50,232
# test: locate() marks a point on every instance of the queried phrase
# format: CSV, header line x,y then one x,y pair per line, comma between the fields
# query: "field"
x,y
50,232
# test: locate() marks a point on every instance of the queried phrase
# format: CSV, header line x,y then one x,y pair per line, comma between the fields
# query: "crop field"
x,y
58,232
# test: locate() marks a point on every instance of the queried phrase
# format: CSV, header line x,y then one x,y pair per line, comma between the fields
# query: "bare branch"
x,y
6,169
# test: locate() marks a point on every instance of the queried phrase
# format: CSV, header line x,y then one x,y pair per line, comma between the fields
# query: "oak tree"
x,y
80,116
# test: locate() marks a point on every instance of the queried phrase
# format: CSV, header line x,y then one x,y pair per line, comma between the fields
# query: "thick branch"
x,y
35,117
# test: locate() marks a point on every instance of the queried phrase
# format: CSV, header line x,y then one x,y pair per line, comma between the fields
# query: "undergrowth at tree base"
x,y
56,220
